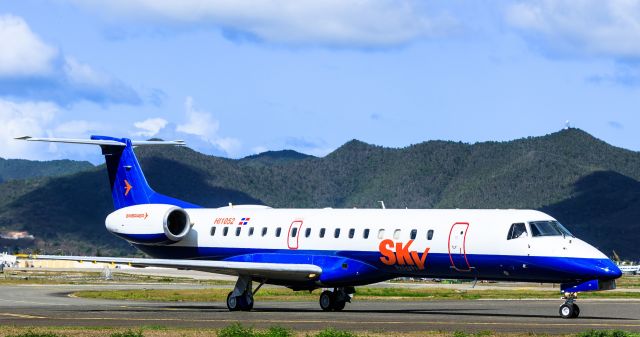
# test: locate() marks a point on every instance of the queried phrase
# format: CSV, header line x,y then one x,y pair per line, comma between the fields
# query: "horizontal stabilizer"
x,y
102,141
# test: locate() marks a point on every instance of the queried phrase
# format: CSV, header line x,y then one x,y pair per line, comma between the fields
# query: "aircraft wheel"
x,y
326,300
232,302
246,302
576,311
567,310
339,305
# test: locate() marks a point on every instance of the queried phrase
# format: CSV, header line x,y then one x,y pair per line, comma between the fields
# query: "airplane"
x,y
338,249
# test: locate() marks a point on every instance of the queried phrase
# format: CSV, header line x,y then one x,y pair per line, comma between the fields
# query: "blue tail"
x,y
128,184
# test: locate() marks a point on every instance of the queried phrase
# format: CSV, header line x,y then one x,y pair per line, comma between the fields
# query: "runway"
x,y
50,305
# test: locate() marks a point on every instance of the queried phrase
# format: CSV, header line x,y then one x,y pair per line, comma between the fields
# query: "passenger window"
x,y
517,230
365,234
414,233
322,230
213,231
396,234
225,231
336,234
430,234
264,231
238,229
307,232
278,231
294,232
381,234
250,231
352,232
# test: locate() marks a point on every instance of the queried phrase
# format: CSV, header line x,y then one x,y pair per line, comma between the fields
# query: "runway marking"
x,y
20,315
519,324
31,302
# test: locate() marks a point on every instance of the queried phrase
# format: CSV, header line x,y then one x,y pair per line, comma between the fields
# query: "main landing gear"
x,y
241,298
336,300
569,309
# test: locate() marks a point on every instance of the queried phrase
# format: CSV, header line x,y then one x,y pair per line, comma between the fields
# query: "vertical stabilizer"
x,y
128,184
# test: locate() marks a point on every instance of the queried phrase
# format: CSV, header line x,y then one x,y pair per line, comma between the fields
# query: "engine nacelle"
x,y
154,224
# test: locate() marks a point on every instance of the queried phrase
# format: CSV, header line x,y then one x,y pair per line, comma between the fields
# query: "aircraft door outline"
x,y
457,247
293,236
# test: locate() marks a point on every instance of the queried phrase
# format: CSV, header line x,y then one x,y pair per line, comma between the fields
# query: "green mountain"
x,y
269,158
12,169
590,186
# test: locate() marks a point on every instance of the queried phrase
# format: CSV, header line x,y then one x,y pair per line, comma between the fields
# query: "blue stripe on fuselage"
x,y
437,265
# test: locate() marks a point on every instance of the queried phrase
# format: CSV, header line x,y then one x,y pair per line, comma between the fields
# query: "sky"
x,y
235,78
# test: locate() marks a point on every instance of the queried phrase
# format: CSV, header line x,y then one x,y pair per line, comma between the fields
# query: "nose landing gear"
x,y
569,309
337,299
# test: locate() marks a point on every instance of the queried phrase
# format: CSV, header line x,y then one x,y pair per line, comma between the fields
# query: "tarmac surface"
x,y
51,305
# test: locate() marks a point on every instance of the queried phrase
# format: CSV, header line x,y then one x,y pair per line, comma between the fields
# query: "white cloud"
x,y
347,23
594,27
33,70
259,149
198,123
76,128
149,127
23,119
21,51
229,145
83,74
202,125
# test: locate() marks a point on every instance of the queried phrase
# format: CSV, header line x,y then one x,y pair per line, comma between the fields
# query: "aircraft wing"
x,y
273,271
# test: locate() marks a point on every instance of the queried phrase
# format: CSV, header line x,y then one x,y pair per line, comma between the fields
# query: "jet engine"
x,y
154,224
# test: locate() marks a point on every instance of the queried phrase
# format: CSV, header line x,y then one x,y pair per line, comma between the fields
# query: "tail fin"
x,y
128,184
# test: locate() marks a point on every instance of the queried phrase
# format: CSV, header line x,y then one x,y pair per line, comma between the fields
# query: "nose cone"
x,y
605,269
595,265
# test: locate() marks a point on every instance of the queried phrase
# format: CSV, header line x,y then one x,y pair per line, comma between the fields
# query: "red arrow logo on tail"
x,y
127,187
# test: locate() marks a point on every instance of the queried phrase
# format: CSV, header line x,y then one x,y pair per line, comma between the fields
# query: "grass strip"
x,y
238,330
362,293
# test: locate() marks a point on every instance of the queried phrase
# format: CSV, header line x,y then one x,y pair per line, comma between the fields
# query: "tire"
x,y
326,300
576,311
232,302
246,303
339,305
567,310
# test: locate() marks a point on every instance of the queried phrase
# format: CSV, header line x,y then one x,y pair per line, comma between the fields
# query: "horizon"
x,y
100,160
236,80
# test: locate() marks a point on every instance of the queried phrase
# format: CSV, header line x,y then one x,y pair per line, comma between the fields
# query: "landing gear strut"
x,y
241,298
336,300
569,309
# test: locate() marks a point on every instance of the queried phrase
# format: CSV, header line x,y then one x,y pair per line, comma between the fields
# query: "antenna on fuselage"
x,y
382,204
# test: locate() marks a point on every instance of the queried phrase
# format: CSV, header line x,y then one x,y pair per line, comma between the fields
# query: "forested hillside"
x,y
590,186
11,169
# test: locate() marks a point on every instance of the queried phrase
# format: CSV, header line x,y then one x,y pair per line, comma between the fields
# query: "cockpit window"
x,y
517,230
548,228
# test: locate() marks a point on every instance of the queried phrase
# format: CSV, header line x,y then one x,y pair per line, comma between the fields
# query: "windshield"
x,y
548,228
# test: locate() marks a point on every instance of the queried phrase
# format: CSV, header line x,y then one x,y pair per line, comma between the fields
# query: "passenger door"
x,y
294,234
457,246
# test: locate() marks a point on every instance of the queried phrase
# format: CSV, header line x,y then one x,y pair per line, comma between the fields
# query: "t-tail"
x,y
128,184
